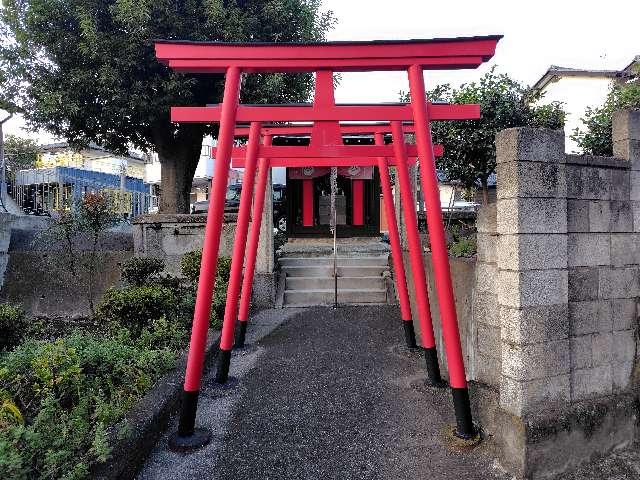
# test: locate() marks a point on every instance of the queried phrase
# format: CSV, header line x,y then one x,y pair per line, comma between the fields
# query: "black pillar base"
x,y
462,406
434,378
241,333
224,359
198,439
409,334
188,437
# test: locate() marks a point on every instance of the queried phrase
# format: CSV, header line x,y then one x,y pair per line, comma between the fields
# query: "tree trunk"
x,y
485,192
179,159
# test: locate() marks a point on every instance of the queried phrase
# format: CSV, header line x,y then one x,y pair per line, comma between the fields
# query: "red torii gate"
x,y
412,56
378,131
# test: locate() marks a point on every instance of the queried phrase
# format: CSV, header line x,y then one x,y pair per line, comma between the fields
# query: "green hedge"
x,y
190,267
140,270
135,307
13,326
71,391
59,400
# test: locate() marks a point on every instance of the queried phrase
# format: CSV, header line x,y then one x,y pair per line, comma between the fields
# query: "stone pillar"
x,y
626,145
626,137
532,288
567,285
264,260
486,364
6,223
402,228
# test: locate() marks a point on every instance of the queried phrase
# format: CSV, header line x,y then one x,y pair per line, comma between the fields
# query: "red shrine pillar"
x,y
252,247
187,437
415,252
357,196
307,202
440,254
237,259
396,248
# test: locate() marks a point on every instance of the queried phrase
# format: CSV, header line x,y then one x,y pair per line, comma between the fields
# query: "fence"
x,y
44,190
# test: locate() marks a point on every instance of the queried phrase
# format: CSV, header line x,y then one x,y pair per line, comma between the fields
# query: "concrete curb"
x,y
147,420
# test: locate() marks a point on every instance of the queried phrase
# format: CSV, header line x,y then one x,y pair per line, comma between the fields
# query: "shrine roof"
x,y
377,55
336,42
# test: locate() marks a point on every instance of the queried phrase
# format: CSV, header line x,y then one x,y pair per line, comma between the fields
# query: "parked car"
x,y
232,204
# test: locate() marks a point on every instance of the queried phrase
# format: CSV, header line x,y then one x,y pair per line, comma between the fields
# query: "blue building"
x,y
42,190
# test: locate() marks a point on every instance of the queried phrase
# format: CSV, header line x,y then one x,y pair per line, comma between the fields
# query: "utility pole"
x,y
3,165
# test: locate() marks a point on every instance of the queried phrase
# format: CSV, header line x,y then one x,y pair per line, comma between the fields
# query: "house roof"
x,y
92,146
635,62
555,72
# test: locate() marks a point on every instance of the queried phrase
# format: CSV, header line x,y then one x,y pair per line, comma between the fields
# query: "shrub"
x,y
463,247
190,266
139,270
164,334
10,414
69,392
223,270
13,325
188,303
135,307
38,370
219,300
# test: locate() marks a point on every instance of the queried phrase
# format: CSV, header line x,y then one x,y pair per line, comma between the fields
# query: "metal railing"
x,y
48,195
334,188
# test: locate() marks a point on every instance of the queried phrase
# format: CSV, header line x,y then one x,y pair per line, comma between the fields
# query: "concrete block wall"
x,y
6,222
558,276
532,276
487,357
603,277
169,237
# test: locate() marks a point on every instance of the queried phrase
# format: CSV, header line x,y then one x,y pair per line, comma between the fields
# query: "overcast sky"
x,y
569,33
537,34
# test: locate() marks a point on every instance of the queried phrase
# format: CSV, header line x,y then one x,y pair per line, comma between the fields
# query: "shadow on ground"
x,y
326,394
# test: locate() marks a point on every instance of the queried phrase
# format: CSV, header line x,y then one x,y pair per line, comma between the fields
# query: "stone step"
x,y
327,283
303,298
327,271
314,248
380,260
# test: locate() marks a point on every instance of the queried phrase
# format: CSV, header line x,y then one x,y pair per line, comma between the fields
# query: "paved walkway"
x,y
330,394
325,394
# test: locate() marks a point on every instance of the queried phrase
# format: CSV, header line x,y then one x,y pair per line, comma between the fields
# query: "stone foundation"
x,y
169,237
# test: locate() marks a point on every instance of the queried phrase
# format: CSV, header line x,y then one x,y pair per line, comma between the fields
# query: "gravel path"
x,y
325,394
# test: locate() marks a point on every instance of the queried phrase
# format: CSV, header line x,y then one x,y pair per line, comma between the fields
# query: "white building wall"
x,y
447,195
576,93
204,170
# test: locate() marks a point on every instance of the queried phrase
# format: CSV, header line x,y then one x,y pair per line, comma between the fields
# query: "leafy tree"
x,y
88,220
469,145
597,138
21,153
86,70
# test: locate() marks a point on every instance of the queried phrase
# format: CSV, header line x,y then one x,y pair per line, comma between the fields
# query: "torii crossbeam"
x,y
412,56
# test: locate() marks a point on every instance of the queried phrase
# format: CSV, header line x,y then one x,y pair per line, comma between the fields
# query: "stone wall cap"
x,y
597,161
155,218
